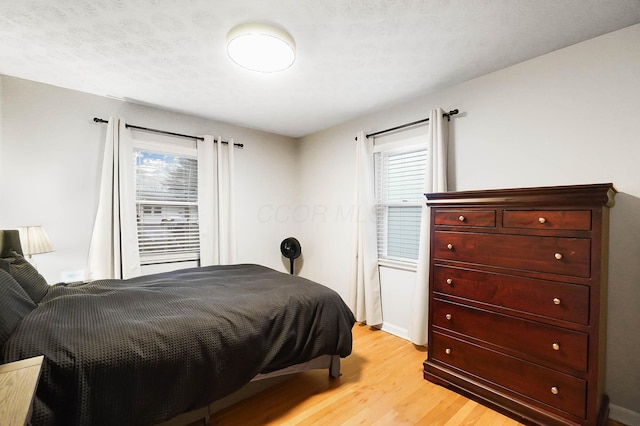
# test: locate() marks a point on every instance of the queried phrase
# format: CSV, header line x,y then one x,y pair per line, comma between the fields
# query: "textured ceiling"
x,y
353,56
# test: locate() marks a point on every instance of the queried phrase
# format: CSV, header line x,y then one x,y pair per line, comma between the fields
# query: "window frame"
x,y
398,145
183,148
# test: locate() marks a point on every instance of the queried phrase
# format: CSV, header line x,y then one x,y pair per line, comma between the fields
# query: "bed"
x,y
145,350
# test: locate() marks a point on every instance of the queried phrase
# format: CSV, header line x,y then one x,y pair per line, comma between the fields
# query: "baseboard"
x,y
624,415
396,331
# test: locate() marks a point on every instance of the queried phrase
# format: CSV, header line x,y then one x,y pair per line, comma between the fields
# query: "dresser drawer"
x,y
579,220
559,390
556,255
553,346
484,218
562,301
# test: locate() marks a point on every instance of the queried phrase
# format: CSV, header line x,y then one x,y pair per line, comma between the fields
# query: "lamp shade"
x,y
261,47
34,240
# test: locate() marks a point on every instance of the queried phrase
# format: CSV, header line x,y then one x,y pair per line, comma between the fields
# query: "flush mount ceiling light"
x,y
261,47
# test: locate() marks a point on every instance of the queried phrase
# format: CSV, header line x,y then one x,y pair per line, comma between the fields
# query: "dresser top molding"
x,y
601,194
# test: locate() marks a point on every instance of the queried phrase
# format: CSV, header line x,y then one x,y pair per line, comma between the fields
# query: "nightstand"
x,y
18,383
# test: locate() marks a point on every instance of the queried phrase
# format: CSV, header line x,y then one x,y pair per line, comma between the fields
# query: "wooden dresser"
x,y
518,298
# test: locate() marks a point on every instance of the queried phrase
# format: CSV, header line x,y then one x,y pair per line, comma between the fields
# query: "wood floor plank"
x,y
381,384
464,415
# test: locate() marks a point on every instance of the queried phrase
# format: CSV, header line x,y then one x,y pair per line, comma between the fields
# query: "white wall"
x,y
1,115
568,117
50,163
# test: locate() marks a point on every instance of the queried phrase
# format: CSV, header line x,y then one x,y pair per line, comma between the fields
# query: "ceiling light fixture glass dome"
x,y
261,47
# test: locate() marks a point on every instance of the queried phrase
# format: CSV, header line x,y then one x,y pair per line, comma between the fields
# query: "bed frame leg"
x,y
334,367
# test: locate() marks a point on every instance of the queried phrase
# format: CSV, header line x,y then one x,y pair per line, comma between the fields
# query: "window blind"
x,y
166,207
399,193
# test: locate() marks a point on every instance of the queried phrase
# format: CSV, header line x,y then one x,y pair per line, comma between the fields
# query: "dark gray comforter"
x,y
139,351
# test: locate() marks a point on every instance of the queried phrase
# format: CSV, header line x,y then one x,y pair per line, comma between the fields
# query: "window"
x,y
399,198
166,193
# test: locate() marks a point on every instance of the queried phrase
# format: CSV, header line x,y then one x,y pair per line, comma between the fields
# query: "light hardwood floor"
x,y
381,384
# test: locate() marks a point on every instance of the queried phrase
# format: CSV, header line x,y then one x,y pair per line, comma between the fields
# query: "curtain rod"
x,y
402,126
164,132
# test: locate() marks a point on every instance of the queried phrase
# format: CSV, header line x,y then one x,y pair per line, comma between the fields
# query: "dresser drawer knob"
x,y
449,281
450,246
556,301
542,220
448,316
556,347
461,218
447,351
554,390
558,256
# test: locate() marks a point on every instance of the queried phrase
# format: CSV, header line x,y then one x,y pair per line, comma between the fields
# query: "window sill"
x,y
396,264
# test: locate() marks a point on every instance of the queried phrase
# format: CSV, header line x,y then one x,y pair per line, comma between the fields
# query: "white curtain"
x,y
365,300
207,217
113,250
226,236
435,181
216,202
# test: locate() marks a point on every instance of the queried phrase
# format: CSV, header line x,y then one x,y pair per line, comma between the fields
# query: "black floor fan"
x,y
291,249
